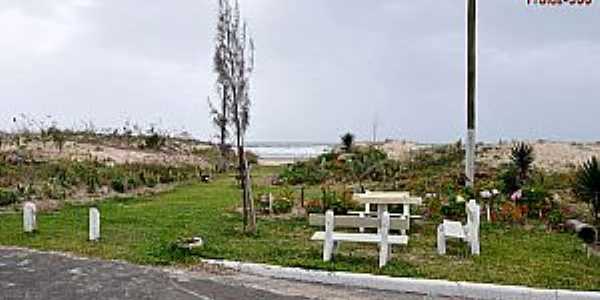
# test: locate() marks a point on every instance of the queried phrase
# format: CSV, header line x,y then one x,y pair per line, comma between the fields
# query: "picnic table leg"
x,y
381,209
328,242
406,213
384,247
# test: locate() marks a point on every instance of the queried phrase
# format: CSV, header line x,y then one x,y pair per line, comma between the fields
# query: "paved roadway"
x,y
26,274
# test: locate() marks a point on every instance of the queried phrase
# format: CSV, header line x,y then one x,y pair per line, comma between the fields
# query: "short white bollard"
x,y
29,219
94,224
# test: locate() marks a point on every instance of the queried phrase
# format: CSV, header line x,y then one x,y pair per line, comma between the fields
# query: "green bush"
x,y
508,177
304,173
340,201
587,186
282,205
117,185
8,197
454,208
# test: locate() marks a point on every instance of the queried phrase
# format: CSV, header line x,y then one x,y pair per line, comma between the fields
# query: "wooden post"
x,y
94,224
29,217
302,196
328,242
384,247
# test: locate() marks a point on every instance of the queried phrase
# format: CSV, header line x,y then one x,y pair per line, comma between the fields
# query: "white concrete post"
x,y
361,215
470,158
328,243
441,240
270,203
29,218
384,247
94,224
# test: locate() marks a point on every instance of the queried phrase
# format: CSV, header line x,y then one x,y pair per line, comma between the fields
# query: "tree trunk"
x,y
251,228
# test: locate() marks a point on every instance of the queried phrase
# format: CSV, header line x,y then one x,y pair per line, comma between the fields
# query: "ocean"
x,y
292,151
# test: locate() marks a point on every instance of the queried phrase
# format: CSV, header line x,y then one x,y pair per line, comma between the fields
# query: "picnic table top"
x,y
387,198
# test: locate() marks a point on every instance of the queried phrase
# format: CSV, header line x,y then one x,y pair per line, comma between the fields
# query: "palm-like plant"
x,y
347,141
587,185
522,157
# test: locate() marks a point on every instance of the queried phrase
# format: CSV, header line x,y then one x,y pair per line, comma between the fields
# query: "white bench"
x,y
332,239
468,233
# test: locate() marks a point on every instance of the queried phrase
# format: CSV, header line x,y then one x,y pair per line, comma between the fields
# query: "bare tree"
x,y
219,112
235,64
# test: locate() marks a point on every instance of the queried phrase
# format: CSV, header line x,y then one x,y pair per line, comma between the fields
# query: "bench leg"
x,y
327,250
441,240
361,215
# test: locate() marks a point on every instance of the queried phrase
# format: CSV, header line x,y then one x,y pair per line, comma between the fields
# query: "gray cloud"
x,y
323,67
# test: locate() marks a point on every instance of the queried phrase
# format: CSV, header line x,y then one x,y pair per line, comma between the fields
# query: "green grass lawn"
x,y
144,231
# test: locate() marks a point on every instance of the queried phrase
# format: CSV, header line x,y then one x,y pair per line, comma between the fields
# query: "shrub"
x,y
434,210
347,141
587,186
304,173
150,181
282,205
555,217
510,212
132,183
117,185
153,140
534,197
8,197
508,178
313,206
454,208
339,201
522,157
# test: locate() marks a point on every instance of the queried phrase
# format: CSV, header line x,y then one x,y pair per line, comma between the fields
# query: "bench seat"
x,y
361,238
392,215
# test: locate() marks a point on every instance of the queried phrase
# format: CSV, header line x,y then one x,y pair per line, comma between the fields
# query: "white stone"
x,y
29,217
485,194
94,225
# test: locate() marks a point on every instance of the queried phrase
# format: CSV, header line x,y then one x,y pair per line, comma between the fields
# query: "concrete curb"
x,y
430,287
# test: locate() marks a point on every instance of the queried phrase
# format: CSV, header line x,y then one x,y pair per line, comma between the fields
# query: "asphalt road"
x,y
26,274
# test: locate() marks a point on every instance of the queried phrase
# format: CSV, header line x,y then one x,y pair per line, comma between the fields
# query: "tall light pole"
x,y
471,83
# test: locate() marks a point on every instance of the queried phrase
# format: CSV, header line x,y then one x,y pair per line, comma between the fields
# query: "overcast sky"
x,y
323,67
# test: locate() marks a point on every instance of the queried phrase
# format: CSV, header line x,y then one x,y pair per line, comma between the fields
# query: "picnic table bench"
x,y
332,239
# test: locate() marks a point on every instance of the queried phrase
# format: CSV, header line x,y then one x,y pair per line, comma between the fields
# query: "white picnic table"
x,y
383,199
